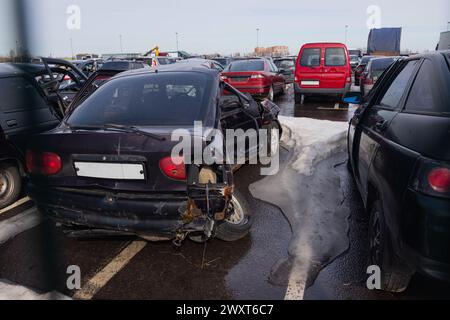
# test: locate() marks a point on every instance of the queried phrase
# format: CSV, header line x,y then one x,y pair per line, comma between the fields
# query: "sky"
x,y
226,27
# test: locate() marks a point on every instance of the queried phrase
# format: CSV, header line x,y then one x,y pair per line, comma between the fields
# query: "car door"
x,y
372,124
23,110
309,68
276,76
335,68
242,116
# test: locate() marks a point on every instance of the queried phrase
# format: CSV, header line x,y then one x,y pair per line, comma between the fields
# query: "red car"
x,y
258,77
322,69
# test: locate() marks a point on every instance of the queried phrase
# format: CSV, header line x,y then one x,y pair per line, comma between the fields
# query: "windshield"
x,y
146,100
246,65
285,64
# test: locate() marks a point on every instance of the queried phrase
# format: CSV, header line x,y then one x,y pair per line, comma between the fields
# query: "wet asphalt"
x,y
215,270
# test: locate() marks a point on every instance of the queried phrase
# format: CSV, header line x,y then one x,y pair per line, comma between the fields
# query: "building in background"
x,y
275,51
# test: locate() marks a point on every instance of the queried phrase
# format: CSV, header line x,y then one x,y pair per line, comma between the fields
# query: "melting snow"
x,y
9,291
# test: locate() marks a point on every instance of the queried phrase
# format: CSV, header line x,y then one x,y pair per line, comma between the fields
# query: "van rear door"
x,y
335,67
309,70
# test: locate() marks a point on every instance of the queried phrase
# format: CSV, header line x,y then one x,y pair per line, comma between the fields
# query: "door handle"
x,y
11,123
381,126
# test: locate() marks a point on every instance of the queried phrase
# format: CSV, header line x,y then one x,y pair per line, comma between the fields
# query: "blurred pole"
x,y
257,37
176,37
120,40
47,252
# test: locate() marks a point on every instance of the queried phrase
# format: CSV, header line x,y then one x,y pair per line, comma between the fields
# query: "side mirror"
x,y
353,98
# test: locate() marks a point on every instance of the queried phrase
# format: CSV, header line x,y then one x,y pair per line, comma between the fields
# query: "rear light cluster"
x,y
433,178
368,81
173,168
44,163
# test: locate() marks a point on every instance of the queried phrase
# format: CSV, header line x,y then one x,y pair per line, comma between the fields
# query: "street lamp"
x,y
257,37
448,26
346,33
176,37
121,47
71,48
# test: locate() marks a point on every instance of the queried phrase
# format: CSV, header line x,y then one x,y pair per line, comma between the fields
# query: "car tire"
x,y
271,94
10,184
395,275
283,89
238,225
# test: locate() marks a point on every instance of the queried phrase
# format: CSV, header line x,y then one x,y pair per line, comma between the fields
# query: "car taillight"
x,y
45,163
50,163
439,180
257,76
433,178
66,78
173,168
368,81
223,78
349,79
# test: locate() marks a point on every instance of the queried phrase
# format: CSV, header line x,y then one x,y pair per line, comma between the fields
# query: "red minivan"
x,y
322,69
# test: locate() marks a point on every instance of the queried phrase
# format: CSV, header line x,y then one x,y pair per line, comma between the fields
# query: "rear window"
x,y
381,64
310,57
285,64
365,60
146,100
335,57
116,65
246,65
421,98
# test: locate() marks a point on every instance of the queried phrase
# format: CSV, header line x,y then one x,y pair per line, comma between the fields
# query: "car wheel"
x,y
297,98
238,225
283,89
10,184
271,94
395,276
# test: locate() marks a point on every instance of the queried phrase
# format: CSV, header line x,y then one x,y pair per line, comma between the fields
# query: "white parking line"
x,y
15,204
100,279
17,224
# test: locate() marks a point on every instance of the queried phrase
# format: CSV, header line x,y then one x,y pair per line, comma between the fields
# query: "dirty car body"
x,y
112,161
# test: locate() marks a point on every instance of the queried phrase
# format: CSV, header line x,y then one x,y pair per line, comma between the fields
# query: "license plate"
x,y
241,79
310,83
119,171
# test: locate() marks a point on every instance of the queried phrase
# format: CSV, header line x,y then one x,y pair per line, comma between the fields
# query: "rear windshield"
x,y
246,65
365,60
381,64
335,57
285,64
116,65
310,57
147,100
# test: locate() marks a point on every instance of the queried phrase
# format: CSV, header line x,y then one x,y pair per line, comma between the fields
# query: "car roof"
x,y
176,67
8,69
338,44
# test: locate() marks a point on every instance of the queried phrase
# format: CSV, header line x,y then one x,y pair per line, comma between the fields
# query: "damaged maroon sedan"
x,y
108,167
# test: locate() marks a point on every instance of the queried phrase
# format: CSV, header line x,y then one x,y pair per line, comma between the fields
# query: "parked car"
x,y
399,153
373,71
25,109
322,69
354,61
108,166
287,64
88,66
360,68
124,65
256,76
206,63
224,61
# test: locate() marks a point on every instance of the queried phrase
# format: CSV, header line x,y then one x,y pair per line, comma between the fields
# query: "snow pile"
x,y
308,190
10,291
312,140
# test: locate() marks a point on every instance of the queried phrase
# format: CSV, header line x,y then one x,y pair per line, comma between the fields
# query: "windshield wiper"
x,y
116,127
132,129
